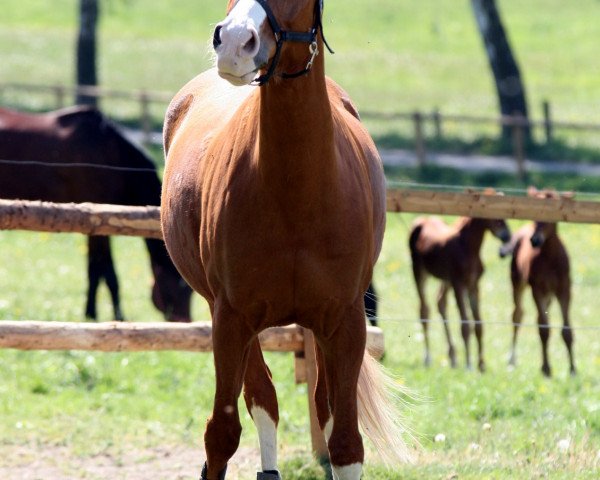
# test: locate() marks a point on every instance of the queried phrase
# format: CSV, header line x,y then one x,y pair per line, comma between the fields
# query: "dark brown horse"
x,y
540,260
77,155
451,254
273,209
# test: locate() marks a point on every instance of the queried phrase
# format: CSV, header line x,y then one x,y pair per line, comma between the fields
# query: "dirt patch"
x,y
32,462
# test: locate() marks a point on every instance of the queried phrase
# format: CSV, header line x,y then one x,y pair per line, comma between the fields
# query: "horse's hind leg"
x,y
343,353
564,298
474,303
420,276
100,264
231,341
261,401
442,302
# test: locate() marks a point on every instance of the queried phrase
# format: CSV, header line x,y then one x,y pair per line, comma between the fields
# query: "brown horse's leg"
x,y
474,303
231,341
564,298
465,328
420,276
516,320
542,302
343,354
261,401
442,302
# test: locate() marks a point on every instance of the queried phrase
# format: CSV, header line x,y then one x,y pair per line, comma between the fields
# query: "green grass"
x,y
95,403
390,56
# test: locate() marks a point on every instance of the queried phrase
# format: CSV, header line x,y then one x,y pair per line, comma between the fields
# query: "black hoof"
x,y
204,474
268,475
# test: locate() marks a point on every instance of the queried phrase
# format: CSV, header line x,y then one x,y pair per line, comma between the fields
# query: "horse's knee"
x,y
567,335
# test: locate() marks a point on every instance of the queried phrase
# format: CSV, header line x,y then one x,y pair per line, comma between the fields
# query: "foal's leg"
x,y
261,401
420,277
474,303
542,302
231,341
343,354
517,316
564,298
442,302
100,264
465,328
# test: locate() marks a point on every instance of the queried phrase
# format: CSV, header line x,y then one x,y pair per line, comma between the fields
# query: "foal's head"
x,y
256,31
544,230
499,229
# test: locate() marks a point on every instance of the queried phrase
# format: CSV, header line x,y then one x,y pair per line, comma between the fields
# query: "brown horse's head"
x,y
499,229
170,292
544,230
258,32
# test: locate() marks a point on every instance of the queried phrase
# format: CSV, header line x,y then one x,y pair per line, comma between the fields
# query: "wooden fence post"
x,y
419,138
437,123
547,121
518,122
319,446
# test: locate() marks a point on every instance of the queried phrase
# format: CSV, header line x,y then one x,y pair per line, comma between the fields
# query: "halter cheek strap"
x,y
288,36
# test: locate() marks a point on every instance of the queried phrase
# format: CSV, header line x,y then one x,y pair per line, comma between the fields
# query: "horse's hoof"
x,y
268,475
204,474
546,371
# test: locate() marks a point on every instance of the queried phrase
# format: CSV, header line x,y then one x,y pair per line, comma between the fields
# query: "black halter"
x,y
287,36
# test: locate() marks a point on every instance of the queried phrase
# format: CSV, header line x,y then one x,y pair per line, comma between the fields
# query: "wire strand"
x,y
76,165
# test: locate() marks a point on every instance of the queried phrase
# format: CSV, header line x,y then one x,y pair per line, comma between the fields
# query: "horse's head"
x,y
170,292
544,230
256,32
499,229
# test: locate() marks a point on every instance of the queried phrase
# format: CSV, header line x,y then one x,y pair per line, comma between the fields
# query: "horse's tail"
x,y
378,415
415,231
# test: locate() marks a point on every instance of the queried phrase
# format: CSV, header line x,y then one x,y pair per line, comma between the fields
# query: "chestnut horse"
x,y
77,155
540,260
451,254
273,209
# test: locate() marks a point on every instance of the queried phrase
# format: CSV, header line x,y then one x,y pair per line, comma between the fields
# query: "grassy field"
x,y
390,56
504,424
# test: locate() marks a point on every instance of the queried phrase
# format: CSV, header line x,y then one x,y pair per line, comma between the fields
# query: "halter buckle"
x,y
314,51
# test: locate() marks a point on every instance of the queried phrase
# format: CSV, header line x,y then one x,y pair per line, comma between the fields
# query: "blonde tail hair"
x,y
378,415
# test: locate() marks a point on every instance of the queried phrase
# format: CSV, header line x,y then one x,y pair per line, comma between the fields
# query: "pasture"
x,y
134,408
74,412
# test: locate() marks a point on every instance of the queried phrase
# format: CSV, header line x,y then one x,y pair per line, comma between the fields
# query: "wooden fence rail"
x,y
98,219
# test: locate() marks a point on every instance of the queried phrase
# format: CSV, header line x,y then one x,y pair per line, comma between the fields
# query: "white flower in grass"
x,y
439,438
474,447
486,427
563,445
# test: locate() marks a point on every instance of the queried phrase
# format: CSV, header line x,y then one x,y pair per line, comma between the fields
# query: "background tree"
x,y
86,48
507,76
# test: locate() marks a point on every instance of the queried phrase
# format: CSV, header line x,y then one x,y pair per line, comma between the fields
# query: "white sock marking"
x,y
267,437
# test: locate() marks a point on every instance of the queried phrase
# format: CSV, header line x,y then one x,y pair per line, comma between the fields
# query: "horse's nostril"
x,y
250,45
217,37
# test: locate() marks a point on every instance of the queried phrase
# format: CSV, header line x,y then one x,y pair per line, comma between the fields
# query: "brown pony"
x,y
78,155
540,260
273,208
451,254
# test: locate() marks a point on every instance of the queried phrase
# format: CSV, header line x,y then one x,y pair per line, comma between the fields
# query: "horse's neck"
x,y
296,127
472,232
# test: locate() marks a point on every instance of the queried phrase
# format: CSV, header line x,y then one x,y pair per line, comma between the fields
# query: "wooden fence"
x,y
419,119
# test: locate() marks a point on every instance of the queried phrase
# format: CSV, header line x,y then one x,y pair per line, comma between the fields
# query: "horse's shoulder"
x,y
208,102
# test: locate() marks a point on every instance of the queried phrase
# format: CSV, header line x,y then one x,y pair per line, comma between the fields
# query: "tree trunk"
x,y
509,86
86,49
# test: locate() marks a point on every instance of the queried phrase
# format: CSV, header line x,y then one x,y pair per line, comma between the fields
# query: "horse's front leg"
x,y
261,401
343,354
474,303
231,341
465,327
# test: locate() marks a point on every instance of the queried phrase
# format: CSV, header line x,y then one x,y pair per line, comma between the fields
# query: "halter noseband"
x,y
287,36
